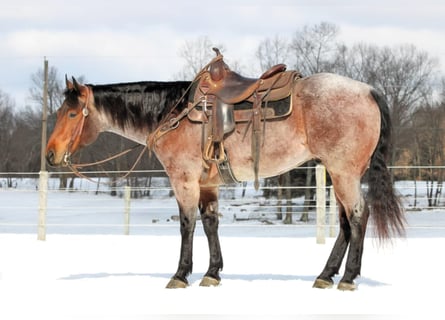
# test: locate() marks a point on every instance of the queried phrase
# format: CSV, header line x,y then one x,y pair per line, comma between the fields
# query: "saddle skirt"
x,y
276,102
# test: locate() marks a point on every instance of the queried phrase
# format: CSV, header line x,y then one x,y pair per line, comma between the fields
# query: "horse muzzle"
x,y
56,161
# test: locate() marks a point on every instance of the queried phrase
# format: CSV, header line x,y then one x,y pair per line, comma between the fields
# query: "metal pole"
x,y
43,178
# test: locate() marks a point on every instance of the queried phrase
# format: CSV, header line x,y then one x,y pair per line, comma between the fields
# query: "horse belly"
x,y
283,148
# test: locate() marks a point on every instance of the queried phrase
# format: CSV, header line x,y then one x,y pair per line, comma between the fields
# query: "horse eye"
x,y
72,115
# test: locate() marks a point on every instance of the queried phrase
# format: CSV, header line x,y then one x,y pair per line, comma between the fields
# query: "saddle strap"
x,y
225,171
256,138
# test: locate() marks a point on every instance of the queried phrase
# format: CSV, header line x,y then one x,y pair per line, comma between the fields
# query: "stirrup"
x,y
209,151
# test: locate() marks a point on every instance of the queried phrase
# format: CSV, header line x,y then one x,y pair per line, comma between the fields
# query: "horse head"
x,y
76,124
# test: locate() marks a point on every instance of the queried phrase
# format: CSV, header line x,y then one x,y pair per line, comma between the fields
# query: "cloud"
x,y
112,41
428,40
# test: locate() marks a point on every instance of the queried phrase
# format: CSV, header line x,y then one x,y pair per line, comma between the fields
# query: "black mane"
x,y
139,104
136,104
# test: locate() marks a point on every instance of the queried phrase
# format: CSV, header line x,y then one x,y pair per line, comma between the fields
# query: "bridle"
x,y
75,140
77,132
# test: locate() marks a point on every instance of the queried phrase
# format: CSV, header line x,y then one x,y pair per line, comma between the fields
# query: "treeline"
x,y
409,77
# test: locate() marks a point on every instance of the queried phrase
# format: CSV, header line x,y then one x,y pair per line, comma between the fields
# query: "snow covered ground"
x,y
87,268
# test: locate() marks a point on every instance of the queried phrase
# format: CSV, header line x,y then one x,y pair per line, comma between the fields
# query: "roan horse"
x,y
343,123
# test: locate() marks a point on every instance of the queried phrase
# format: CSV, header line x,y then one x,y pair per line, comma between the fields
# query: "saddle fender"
x,y
223,120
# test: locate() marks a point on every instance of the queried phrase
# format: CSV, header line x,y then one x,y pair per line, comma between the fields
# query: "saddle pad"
x,y
243,110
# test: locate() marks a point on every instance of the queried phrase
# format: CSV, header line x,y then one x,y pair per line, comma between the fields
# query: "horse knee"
x,y
209,207
209,215
359,217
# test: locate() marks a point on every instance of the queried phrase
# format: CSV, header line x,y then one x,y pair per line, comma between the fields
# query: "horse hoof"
x,y
322,284
346,286
176,284
209,282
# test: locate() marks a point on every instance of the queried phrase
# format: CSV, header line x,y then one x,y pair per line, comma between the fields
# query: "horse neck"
x,y
132,110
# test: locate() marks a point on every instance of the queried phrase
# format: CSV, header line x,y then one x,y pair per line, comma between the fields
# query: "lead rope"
x,y
75,170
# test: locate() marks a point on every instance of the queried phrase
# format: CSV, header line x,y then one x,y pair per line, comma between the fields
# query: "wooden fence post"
x,y
43,192
332,212
43,177
127,198
320,176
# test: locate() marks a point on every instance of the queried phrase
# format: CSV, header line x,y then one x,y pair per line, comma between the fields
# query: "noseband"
x,y
77,132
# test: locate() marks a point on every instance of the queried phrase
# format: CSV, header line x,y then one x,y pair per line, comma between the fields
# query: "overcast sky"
x,y
132,40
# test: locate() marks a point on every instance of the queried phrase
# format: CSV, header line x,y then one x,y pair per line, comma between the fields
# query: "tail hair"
x,y
386,209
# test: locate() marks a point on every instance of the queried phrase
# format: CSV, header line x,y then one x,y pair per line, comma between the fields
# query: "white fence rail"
x,y
88,205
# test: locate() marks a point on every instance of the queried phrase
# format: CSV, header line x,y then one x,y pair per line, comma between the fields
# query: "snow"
x,y
87,268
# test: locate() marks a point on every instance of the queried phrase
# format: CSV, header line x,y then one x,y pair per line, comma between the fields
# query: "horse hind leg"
x,y
353,220
209,216
324,280
358,221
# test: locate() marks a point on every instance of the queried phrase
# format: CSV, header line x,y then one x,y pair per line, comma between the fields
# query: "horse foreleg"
x,y
188,221
324,280
209,216
187,196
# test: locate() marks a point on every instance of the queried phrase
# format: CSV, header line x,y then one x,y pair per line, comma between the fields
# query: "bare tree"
x,y
314,48
196,53
25,151
7,127
272,51
359,62
55,89
428,127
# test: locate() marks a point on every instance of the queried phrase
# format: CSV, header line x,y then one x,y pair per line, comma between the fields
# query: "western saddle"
x,y
219,91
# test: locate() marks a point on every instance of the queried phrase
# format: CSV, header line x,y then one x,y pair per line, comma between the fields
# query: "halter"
x,y
77,132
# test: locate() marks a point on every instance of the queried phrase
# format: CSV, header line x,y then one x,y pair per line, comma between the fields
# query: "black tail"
x,y
386,209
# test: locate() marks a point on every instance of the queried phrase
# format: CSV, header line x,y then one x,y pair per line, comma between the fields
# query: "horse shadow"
x,y
196,277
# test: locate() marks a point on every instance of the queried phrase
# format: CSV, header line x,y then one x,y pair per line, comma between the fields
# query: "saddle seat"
x,y
230,86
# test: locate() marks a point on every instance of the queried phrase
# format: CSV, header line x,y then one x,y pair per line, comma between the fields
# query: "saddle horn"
x,y
218,53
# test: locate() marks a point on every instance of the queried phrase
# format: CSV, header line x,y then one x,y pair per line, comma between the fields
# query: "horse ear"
x,y
69,84
77,86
